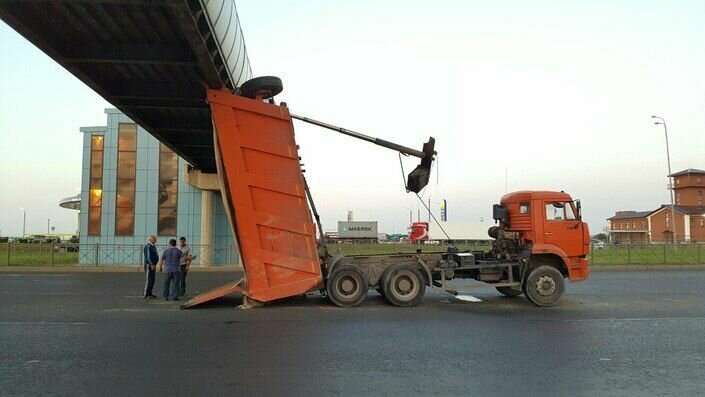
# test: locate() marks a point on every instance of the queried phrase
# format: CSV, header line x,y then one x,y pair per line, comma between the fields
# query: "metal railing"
x,y
74,254
647,254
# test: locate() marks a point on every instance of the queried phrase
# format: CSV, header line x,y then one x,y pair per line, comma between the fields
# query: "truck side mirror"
x,y
578,208
500,213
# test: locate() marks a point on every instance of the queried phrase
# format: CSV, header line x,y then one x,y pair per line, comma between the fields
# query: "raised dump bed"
x,y
263,187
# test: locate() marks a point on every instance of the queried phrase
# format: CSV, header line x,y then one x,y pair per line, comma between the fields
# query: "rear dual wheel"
x,y
403,285
347,286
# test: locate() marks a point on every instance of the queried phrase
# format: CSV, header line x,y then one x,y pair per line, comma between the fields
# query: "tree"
x,y
601,237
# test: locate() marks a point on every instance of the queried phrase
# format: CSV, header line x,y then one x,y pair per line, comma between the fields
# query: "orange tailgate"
x,y
264,189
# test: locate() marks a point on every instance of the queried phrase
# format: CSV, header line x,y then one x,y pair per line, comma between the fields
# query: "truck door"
x,y
562,227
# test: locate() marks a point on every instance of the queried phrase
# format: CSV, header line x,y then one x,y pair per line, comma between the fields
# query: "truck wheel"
x,y
544,286
347,287
509,291
266,86
404,285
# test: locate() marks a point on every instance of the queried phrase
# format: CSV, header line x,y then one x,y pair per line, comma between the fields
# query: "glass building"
x,y
133,186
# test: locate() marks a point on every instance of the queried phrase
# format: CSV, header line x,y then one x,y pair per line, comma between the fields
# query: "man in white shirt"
x,y
186,259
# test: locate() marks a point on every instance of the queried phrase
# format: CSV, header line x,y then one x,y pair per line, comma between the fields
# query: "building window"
x,y
95,188
700,197
168,191
627,225
126,172
702,223
678,181
678,198
633,225
700,179
667,219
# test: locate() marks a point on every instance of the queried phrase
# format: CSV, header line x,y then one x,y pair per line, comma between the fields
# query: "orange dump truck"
x,y
540,239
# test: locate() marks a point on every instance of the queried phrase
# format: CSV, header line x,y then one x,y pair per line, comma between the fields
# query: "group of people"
x,y
174,262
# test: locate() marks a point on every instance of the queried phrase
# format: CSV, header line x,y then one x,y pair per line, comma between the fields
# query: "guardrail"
x,y
74,254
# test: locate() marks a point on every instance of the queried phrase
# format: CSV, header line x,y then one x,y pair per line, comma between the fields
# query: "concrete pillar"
x,y
207,227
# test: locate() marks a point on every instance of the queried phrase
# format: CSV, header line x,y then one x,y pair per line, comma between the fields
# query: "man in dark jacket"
x,y
151,258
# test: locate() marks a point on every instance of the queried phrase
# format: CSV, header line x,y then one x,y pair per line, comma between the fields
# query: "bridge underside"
x,y
149,58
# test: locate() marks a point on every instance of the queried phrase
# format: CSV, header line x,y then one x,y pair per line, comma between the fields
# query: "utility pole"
x,y
48,223
429,210
24,221
670,177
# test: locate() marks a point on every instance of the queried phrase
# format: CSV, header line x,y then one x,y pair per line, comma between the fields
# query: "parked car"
x,y
597,244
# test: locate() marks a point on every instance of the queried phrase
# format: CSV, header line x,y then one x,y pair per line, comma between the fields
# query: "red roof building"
x,y
656,226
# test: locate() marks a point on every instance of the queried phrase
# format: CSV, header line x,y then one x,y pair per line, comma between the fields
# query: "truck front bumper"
x,y
579,270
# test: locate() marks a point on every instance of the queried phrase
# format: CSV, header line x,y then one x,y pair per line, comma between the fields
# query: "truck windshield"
x,y
560,211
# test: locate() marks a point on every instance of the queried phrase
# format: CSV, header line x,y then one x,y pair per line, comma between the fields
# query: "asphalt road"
x,y
620,333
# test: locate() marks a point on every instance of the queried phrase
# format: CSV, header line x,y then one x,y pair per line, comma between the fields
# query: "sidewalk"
x,y
104,269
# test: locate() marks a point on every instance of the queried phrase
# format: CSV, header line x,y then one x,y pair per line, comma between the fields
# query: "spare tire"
x,y
265,86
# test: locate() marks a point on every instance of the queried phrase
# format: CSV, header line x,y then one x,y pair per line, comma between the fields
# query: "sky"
x,y
539,95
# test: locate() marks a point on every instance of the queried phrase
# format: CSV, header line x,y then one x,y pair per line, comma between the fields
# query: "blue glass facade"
x,y
107,247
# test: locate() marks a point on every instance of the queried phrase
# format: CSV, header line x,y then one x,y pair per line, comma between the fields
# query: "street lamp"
x,y
24,221
670,178
411,216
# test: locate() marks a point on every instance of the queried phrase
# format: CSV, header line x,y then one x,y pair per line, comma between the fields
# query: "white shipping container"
x,y
357,229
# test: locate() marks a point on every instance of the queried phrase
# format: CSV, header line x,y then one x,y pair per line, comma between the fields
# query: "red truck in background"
x,y
418,231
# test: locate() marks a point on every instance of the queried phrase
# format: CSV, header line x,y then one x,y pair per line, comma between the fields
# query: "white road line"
x,y
584,320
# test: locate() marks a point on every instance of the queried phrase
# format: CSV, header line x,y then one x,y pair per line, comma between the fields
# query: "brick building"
x,y
656,226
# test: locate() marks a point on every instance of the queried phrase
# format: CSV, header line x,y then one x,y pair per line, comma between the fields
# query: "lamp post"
x,y
24,221
670,177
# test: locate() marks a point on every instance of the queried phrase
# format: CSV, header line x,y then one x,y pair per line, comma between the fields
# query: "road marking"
x,y
46,323
33,275
44,293
582,320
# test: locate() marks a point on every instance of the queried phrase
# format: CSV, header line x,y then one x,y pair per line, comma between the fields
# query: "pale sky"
x,y
556,94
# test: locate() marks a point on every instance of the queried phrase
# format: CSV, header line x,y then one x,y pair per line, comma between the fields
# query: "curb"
x,y
105,269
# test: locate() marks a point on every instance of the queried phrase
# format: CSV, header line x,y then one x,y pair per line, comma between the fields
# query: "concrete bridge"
x,y
149,58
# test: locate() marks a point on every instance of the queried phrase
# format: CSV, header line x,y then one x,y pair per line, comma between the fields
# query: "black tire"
x,y
267,86
544,286
347,287
511,292
404,285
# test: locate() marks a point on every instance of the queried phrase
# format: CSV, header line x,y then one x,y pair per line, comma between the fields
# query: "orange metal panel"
x,y
227,289
265,193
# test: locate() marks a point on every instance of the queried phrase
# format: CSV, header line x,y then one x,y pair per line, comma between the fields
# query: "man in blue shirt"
x,y
170,263
151,258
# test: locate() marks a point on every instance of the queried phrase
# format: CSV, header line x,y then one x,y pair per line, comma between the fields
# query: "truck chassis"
x,y
402,278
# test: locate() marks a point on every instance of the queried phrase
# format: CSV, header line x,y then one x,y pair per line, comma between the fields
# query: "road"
x,y
620,333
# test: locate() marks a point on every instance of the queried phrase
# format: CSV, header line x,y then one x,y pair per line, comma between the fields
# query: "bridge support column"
x,y
207,227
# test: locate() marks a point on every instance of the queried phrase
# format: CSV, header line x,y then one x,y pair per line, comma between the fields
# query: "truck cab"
x,y
549,227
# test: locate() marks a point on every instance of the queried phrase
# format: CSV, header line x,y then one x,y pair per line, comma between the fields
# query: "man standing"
x,y
151,258
170,262
186,259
